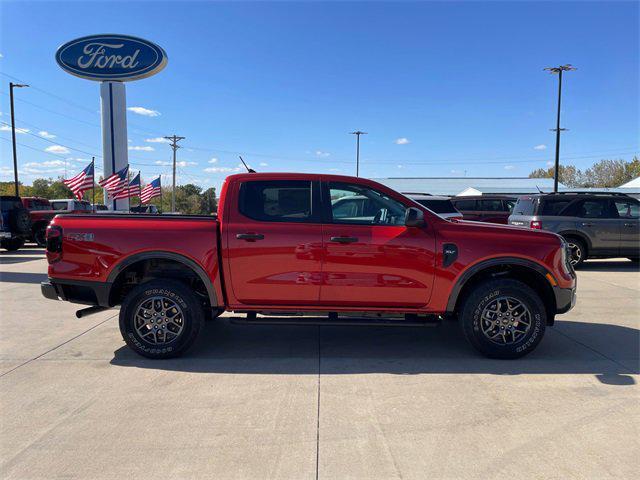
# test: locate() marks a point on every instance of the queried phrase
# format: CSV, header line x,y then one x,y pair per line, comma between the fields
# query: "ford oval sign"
x,y
111,57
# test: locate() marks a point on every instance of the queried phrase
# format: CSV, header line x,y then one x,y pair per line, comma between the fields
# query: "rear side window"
x,y
554,206
277,201
525,206
59,205
438,206
467,205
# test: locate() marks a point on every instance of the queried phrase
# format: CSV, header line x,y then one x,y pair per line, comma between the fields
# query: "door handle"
x,y
587,224
344,239
250,237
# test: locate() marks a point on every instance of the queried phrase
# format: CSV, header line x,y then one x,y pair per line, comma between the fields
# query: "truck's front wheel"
x,y
503,318
161,319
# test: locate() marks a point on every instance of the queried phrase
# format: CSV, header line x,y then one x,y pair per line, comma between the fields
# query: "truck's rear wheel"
x,y
503,318
40,236
161,319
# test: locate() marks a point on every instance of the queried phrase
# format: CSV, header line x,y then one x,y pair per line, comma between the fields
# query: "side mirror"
x,y
413,217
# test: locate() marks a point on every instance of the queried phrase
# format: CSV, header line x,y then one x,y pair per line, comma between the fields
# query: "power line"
x,y
174,145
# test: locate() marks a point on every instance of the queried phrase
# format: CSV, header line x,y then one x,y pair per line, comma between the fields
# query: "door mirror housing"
x,y
413,217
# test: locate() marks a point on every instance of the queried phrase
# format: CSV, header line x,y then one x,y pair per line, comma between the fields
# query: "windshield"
x,y
438,206
525,206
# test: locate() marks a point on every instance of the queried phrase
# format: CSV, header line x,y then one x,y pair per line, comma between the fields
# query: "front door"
x,y
274,240
371,259
598,221
629,224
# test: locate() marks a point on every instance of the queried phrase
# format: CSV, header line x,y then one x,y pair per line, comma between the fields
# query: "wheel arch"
x,y
128,263
579,235
531,273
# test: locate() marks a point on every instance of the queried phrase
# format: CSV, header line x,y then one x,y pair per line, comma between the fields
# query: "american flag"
x,y
151,190
116,182
81,182
132,190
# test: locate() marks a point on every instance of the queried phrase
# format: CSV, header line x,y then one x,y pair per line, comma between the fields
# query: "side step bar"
x,y
333,321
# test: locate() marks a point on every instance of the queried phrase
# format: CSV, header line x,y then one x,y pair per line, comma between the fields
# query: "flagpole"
x,y
161,208
129,189
93,187
140,189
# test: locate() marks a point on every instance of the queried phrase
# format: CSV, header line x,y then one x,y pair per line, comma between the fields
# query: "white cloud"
x,y
550,163
146,148
57,149
45,134
47,163
221,169
540,147
509,167
320,153
157,140
213,160
401,141
263,164
335,170
7,128
180,163
144,111
400,166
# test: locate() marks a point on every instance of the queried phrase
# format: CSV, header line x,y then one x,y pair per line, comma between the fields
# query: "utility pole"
x,y
174,145
13,133
558,70
357,133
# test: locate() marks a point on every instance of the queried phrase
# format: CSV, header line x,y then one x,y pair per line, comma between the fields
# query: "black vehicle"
x,y
15,223
595,225
145,209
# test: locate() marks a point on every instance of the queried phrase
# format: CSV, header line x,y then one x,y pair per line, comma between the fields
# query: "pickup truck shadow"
x,y
22,277
608,351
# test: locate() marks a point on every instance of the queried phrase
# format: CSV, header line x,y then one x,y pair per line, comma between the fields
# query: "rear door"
x,y
374,260
629,224
491,210
274,242
596,218
468,208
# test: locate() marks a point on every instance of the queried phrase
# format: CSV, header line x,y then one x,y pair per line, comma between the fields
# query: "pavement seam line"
x,y
630,371
318,410
56,347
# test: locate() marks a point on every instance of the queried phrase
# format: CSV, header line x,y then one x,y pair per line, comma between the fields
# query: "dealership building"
x,y
464,186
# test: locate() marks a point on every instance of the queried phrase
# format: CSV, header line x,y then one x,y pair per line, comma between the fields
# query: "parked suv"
x,y
594,225
15,224
485,208
440,205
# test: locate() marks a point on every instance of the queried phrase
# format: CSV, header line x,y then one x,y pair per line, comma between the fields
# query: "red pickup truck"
x,y
277,247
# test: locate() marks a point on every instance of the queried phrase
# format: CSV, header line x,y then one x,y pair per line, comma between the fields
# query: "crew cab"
x,y
277,247
41,212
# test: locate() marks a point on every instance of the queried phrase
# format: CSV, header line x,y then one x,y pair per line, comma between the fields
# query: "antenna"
x,y
250,170
539,191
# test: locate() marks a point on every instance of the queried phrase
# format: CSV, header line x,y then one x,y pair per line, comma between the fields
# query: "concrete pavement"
x,y
308,402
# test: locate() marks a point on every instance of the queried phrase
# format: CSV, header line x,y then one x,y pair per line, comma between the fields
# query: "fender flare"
x,y
492,262
118,268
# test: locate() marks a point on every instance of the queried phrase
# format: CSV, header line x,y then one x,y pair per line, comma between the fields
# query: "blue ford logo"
x,y
111,57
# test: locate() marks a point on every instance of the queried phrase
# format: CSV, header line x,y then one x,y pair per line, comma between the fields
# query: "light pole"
x,y
558,70
357,133
174,145
13,133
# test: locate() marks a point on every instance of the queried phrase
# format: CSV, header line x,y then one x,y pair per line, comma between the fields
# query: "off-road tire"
x,y
20,221
481,297
40,236
12,244
182,296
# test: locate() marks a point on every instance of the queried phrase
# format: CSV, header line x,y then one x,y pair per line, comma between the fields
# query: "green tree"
x,y
569,175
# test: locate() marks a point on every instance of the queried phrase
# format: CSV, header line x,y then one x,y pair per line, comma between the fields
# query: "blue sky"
x,y
441,87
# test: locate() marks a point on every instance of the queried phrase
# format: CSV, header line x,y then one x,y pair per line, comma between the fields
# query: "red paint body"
x,y
295,266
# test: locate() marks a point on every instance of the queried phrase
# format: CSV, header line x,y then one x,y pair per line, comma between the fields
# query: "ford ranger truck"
x,y
283,244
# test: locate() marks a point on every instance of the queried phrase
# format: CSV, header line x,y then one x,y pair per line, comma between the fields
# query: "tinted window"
x,y
277,201
81,206
554,206
374,208
9,203
59,205
463,205
438,206
597,208
348,207
490,205
508,205
627,208
525,206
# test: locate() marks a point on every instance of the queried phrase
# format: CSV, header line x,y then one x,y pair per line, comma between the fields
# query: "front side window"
x,y
277,201
508,205
491,205
554,206
627,208
373,207
465,205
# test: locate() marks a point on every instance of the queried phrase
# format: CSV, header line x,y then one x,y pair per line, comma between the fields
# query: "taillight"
x,y
54,243
536,225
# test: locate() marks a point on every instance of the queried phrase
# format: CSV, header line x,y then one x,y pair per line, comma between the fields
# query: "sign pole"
x,y
93,188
